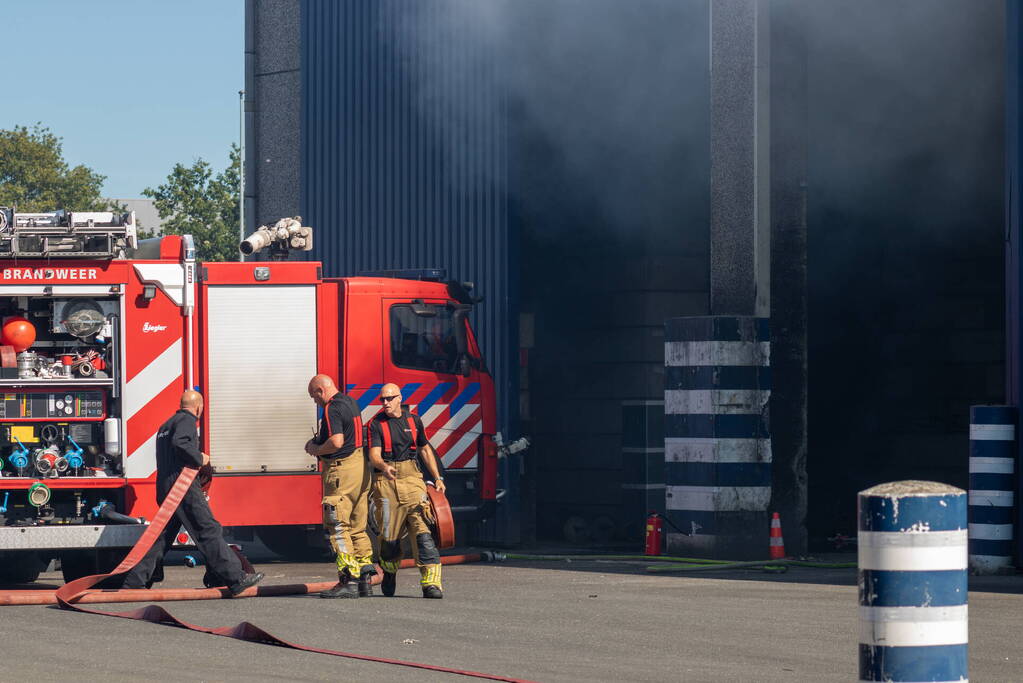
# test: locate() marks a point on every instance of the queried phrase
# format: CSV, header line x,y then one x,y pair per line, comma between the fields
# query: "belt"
x,y
411,457
332,458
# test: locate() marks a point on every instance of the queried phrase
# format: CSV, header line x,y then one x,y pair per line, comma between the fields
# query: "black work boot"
x,y
388,584
433,592
246,581
345,588
365,584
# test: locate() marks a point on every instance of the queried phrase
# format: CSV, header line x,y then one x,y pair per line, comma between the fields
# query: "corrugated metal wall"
x,y
404,154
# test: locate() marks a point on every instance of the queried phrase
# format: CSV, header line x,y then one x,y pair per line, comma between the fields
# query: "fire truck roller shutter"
x,y
261,354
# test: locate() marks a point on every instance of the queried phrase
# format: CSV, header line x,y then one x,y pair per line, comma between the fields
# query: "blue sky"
x,y
131,87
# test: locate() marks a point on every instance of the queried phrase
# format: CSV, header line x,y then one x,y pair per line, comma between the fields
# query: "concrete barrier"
x,y
913,582
992,486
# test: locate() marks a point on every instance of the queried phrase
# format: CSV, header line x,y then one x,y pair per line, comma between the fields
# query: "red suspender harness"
x,y
357,419
385,432
358,431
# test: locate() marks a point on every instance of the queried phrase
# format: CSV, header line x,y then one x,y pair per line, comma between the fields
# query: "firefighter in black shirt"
x,y
345,488
396,438
177,446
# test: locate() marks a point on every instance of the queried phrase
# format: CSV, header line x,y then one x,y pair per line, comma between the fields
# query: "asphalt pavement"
x,y
549,621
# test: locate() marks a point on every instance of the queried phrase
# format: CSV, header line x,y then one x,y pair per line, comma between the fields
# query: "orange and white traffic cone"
x,y
776,542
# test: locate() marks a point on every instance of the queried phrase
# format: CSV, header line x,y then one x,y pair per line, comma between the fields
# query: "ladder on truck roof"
x,y
66,234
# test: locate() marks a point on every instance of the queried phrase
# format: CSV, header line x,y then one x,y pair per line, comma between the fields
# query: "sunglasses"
x,y
385,399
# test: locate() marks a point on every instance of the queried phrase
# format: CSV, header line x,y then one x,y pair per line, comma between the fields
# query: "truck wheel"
x,y
602,530
295,542
576,530
23,567
75,564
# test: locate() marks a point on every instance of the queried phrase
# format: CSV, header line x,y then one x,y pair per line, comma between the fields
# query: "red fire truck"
x,y
102,332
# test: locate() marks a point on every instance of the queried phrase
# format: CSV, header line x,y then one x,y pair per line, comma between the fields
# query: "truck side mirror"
x,y
422,309
458,320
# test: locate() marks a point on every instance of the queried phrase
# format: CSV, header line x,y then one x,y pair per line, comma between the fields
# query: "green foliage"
x,y
35,177
194,201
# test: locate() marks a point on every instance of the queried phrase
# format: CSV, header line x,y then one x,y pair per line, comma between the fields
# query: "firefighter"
x,y
397,441
338,444
177,446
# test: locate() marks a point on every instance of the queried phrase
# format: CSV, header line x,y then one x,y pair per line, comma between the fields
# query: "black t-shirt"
x,y
401,435
177,446
339,416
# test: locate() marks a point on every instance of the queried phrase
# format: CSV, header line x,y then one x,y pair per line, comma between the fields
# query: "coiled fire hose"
x,y
72,595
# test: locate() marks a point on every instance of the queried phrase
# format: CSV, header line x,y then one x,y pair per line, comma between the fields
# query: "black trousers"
x,y
195,516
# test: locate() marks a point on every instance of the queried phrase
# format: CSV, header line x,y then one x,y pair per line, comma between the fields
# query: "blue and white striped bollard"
x,y
992,484
912,581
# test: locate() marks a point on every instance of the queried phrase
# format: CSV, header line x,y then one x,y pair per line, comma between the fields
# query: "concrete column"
x,y
717,446
758,211
251,152
992,487
788,267
273,110
740,175
1014,229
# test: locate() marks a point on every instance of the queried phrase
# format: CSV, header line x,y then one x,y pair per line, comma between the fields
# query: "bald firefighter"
x,y
177,447
338,445
397,442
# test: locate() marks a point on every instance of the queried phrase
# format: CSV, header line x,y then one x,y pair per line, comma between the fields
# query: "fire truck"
x,y
102,332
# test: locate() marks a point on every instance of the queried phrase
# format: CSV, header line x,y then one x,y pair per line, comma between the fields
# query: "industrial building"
x,y
834,168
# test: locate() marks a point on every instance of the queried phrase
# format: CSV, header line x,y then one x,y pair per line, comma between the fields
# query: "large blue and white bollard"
x,y
992,454
912,576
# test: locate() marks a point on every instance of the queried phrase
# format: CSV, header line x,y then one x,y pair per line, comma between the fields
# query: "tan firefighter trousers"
x,y
402,505
346,511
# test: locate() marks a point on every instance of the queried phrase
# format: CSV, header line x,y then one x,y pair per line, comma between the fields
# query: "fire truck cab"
x,y
101,333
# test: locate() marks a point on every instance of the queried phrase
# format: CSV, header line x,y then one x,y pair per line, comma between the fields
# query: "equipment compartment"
x,y
58,385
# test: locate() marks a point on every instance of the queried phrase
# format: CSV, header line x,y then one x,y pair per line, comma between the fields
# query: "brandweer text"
x,y
50,273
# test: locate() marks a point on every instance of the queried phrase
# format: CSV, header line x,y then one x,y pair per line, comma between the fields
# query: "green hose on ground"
x,y
707,567
663,568
713,564
621,558
822,565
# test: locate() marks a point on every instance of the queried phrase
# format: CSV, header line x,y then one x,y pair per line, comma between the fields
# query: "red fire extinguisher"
x,y
654,534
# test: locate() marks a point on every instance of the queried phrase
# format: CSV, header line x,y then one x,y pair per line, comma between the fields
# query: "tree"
x,y
35,177
194,201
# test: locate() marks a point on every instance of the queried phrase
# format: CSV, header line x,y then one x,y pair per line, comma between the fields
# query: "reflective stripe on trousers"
x,y
346,511
399,507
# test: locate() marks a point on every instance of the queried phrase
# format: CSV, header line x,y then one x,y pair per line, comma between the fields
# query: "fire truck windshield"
x,y
427,337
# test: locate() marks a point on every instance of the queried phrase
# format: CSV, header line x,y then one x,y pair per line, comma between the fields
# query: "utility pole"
x,y
241,171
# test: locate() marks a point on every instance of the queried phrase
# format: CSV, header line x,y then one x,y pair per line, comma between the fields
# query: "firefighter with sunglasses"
x,y
397,444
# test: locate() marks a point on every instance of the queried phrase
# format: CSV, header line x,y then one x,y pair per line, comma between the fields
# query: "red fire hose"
x,y
72,595
443,525
93,597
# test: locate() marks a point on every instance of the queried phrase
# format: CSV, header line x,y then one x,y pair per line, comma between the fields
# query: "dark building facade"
x,y
568,174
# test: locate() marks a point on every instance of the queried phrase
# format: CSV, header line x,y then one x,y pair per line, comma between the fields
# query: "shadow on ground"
x,y
1009,584
586,560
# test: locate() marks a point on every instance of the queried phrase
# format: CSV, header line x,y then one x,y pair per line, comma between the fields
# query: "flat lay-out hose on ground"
x,y
72,595
665,568
623,558
679,564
